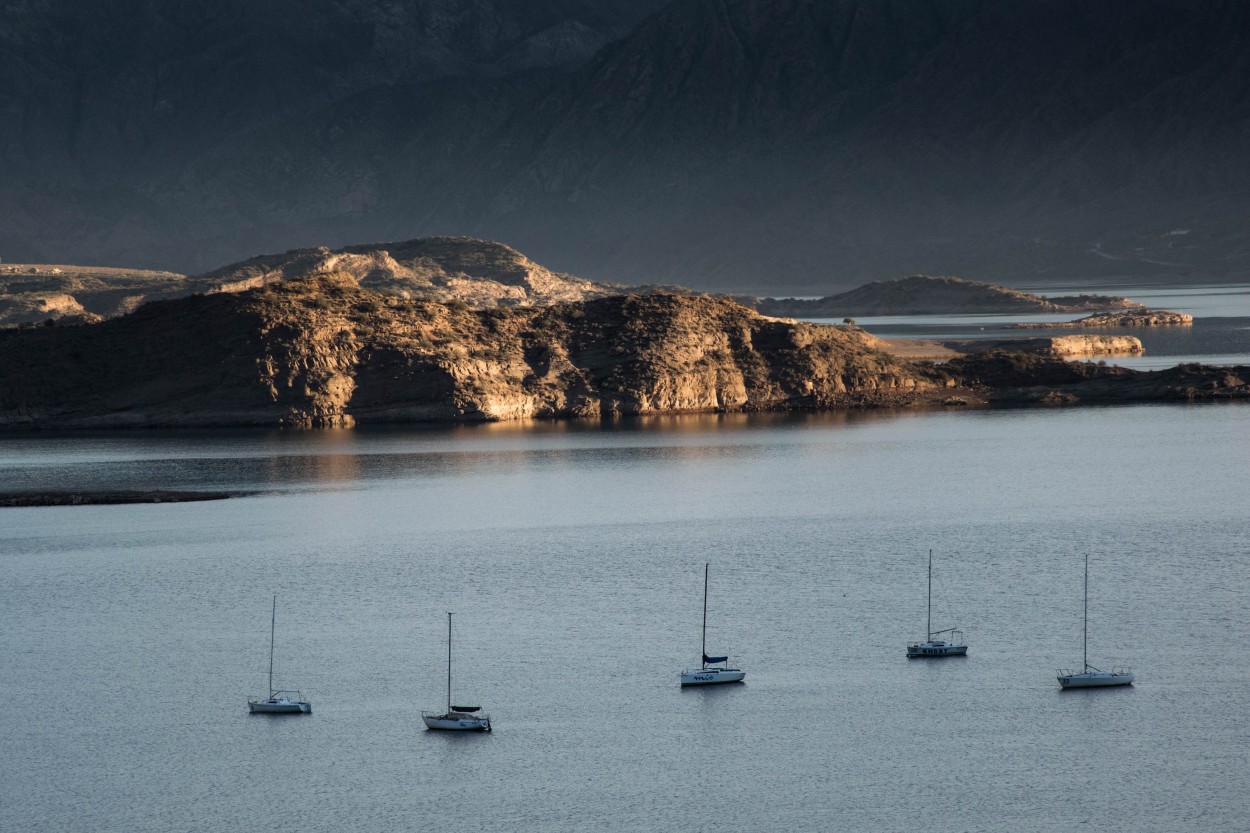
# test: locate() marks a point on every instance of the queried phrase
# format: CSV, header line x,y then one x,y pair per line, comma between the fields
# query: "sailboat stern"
x,y
1093,678
712,676
279,705
935,650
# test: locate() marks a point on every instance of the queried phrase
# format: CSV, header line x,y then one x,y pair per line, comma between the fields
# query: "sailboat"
x,y
278,702
708,675
456,718
1091,677
936,647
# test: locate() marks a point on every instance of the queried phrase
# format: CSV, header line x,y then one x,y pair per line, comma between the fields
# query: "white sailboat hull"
x,y
1095,679
279,707
457,722
712,676
935,650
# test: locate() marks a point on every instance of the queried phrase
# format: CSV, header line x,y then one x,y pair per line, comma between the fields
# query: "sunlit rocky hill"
x,y
323,350
478,273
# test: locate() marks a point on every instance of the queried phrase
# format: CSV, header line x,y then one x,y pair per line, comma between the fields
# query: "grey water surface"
x,y
572,554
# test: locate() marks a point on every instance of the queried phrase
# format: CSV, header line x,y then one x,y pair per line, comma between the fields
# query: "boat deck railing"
x,y
1116,671
455,715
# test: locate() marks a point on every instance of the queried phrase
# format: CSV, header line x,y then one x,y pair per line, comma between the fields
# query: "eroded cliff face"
x,y
323,351
1095,345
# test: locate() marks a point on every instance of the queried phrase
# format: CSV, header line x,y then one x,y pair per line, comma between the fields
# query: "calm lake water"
x,y
572,554
1220,333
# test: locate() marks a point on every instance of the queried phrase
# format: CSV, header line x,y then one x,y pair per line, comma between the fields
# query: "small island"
x,y
1064,347
930,295
1134,318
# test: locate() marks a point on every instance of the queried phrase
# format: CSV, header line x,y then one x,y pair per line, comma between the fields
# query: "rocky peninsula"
x,y
323,350
998,377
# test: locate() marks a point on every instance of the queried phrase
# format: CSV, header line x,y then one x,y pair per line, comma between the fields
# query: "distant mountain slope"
x,y
793,139
104,106
932,295
764,146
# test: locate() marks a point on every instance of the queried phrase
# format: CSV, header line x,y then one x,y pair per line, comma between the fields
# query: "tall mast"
x,y
928,617
703,652
449,661
273,623
1085,621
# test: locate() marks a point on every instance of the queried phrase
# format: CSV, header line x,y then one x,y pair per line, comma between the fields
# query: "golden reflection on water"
x,y
679,423
352,455
326,456
245,459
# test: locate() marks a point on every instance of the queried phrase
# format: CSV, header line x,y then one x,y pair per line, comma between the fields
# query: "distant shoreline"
x,y
103,498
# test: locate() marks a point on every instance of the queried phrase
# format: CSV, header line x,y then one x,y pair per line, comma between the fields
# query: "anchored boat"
x,y
715,669
934,648
1091,677
456,718
278,702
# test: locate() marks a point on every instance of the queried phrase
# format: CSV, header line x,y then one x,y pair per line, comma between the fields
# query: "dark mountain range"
x,y
766,146
114,114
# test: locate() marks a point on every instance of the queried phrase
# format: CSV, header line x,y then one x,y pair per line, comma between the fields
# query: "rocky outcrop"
x,y
930,295
32,292
325,351
999,377
1135,318
31,307
1095,345
1058,346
